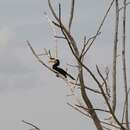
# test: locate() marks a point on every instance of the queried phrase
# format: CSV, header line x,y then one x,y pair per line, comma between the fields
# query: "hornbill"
x,y
58,69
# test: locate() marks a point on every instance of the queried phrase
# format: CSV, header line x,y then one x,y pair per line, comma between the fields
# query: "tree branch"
x,y
31,124
115,57
123,7
124,64
104,80
102,22
86,43
96,109
71,14
124,106
37,57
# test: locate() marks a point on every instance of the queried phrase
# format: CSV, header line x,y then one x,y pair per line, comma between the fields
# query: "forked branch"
x,y
102,22
37,57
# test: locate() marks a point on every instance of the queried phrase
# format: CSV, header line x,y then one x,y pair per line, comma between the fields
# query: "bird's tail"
x,y
70,76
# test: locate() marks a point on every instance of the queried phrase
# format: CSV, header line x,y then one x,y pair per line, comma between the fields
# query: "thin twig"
x,y
90,89
79,110
124,64
125,106
60,37
123,7
71,14
28,123
115,57
106,123
34,53
74,66
86,43
96,109
102,22
104,80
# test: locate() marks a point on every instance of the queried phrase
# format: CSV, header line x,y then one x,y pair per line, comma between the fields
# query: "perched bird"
x,y
60,70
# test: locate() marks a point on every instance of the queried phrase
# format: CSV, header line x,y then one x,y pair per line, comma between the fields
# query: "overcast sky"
x,y
28,91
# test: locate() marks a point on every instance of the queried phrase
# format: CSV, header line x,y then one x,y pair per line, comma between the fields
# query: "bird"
x,y
60,70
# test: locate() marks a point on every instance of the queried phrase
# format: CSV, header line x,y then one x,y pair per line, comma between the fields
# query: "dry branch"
x,y
115,57
102,22
96,109
124,64
86,43
104,81
71,14
37,57
124,106
28,123
123,6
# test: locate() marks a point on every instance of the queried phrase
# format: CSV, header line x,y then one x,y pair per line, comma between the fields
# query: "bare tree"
x,y
109,95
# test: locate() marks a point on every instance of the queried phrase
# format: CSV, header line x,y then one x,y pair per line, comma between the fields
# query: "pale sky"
x,y
30,92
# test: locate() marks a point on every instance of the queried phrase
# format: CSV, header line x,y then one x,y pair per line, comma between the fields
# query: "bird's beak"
x,y
52,60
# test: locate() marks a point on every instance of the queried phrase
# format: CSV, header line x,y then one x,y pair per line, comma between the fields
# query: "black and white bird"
x,y
56,67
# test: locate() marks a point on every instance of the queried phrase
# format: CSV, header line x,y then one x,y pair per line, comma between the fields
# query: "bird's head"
x,y
54,61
